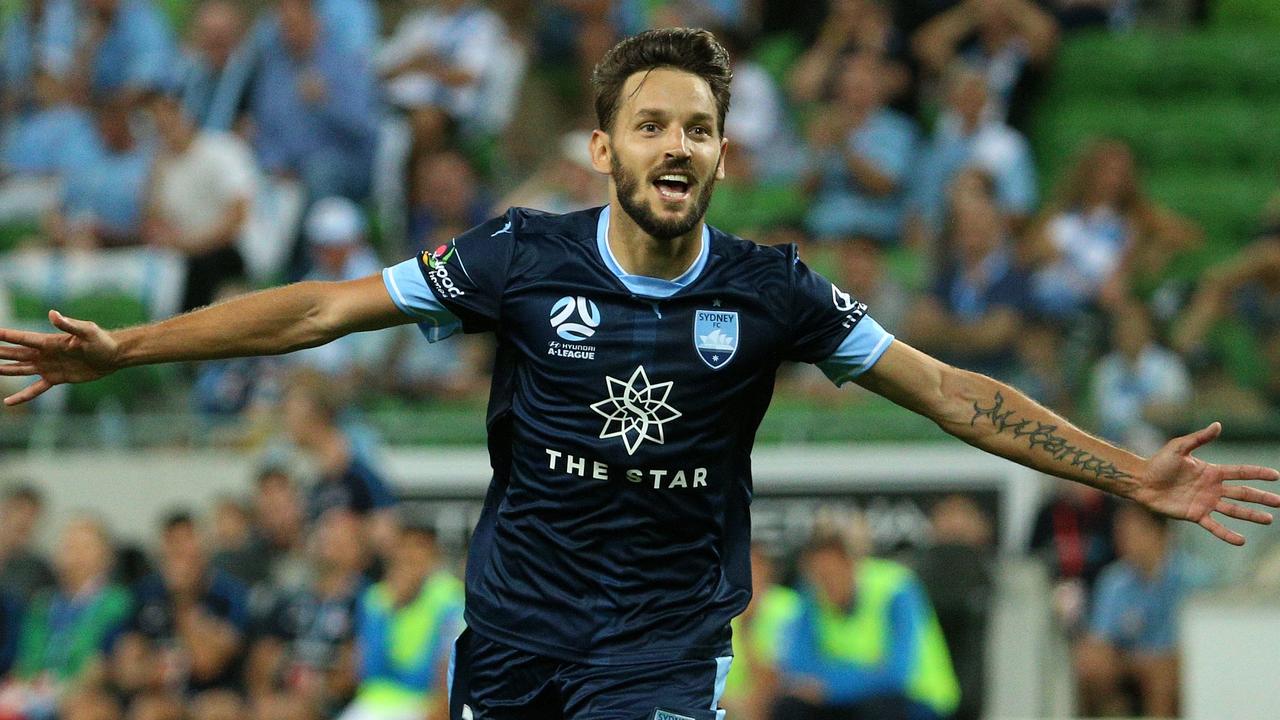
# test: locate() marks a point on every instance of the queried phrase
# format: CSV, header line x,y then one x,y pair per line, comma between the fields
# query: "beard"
x,y
630,196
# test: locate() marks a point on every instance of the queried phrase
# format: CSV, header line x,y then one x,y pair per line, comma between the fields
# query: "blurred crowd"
x,y
322,593
240,144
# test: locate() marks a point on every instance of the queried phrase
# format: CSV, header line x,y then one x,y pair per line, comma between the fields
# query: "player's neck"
x,y
639,253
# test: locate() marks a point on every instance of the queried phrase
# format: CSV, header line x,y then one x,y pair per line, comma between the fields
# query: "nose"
x,y
679,146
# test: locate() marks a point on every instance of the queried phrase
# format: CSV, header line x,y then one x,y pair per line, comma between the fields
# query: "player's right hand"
x,y
80,353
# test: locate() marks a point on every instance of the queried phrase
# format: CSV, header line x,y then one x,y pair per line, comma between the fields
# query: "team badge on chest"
x,y
715,335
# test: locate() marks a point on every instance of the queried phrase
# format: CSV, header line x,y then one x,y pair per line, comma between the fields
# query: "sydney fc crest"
x,y
715,335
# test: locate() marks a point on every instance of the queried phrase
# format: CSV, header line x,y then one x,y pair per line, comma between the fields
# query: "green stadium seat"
x,y
15,232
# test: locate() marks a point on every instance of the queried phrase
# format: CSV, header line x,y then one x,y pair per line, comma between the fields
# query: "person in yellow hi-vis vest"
x,y
864,644
408,623
752,683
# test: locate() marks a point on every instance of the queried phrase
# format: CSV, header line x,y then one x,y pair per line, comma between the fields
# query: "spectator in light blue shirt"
x,y
214,66
864,151
56,137
40,38
966,136
1132,630
128,45
314,106
104,192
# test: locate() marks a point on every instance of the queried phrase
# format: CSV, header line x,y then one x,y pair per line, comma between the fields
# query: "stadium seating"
x,y
1197,110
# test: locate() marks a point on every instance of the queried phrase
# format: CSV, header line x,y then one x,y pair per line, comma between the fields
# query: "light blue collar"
x,y
641,284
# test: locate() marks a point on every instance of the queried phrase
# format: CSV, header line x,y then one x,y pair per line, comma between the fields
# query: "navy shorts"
x,y
492,681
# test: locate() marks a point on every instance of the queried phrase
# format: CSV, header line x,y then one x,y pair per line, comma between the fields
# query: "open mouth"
x,y
673,186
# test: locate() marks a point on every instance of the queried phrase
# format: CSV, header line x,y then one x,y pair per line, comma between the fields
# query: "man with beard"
x,y
637,350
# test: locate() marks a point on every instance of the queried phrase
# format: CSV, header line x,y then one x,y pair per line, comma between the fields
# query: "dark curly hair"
x,y
692,50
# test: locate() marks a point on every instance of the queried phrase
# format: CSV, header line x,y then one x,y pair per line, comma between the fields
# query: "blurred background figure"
x,y
1072,535
958,574
864,151
1240,293
345,475
24,571
974,312
752,684
191,618
407,625
967,136
438,64
1101,239
38,39
565,183
213,73
124,49
313,107
307,651
1140,388
864,643
67,632
201,189
1004,40
105,191
1132,632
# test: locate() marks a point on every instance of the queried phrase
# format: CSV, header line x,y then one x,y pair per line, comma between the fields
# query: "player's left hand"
x,y
1187,488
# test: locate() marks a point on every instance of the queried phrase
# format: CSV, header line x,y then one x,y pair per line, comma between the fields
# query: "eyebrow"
x,y
700,117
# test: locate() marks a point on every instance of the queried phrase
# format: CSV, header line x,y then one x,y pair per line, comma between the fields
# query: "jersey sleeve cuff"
x,y
414,298
859,351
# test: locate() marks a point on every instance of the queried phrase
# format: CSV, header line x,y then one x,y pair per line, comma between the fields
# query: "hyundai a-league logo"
x,y
575,318
715,335
636,410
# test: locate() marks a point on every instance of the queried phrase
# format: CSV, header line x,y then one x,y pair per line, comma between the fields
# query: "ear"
x,y
601,152
724,149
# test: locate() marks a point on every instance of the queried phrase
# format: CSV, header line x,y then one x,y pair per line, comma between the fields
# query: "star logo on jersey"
x,y
636,410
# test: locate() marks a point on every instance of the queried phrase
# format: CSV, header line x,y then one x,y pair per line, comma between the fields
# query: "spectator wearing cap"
x,y
103,198
200,193
314,106
335,231
39,38
967,135
125,48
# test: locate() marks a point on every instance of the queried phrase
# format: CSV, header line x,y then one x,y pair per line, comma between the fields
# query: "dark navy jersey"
x,y
621,420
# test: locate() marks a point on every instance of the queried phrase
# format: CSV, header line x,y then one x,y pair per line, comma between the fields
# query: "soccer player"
x,y
637,350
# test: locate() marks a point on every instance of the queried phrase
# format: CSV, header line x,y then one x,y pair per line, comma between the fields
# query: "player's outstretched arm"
x,y
270,322
997,418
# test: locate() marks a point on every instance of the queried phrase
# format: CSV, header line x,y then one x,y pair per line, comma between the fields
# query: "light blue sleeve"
x,y
1016,185
1108,604
410,292
152,48
859,351
889,143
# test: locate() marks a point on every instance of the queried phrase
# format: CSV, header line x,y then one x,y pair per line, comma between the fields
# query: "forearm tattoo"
x,y
1042,436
